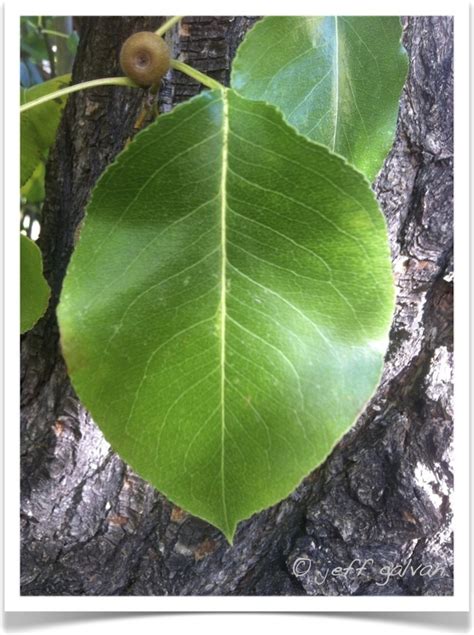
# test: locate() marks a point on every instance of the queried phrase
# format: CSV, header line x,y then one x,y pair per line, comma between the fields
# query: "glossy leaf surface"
x,y
226,311
338,80
34,288
38,126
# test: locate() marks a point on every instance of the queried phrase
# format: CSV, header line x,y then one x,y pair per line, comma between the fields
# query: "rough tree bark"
x,y
91,526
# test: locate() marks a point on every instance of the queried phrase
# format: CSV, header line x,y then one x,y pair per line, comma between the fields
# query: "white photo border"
x,y
459,601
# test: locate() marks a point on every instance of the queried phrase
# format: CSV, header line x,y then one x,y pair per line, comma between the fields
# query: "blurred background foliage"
x,y
48,46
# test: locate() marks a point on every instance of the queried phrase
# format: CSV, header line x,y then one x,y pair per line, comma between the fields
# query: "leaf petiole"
x,y
125,81
107,81
197,75
55,33
168,24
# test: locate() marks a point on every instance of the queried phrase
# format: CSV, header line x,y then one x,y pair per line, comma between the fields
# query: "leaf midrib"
x,y
336,80
223,305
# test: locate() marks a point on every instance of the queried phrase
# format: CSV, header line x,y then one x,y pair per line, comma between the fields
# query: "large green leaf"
x,y
226,311
35,291
38,126
336,79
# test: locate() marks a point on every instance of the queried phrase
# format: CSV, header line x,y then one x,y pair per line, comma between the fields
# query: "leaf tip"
x,y
229,534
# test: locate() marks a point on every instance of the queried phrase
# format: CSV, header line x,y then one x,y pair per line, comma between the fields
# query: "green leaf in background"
x,y
32,44
38,126
33,190
35,291
226,311
338,80
72,42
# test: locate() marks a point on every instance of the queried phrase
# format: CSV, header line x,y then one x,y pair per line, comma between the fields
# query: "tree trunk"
x,y
90,526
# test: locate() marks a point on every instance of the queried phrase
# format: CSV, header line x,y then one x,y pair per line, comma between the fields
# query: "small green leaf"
x,y
72,42
226,311
35,291
33,190
336,79
38,126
